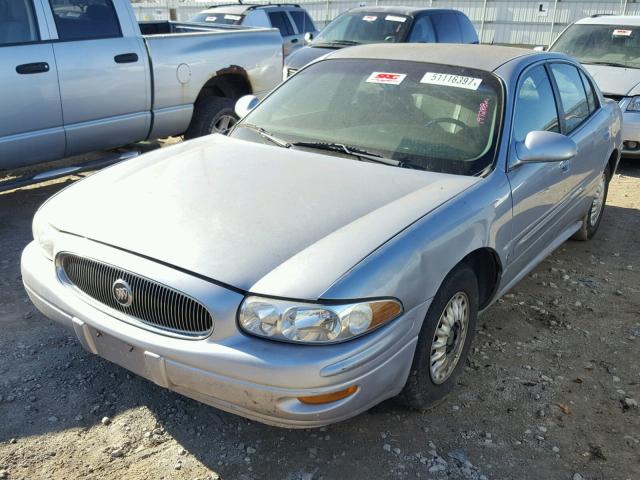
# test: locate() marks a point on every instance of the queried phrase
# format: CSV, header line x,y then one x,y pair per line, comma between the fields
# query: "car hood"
x,y
615,80
302,56
256,217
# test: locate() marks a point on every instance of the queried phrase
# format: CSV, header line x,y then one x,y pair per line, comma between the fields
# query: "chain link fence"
x,y
513,22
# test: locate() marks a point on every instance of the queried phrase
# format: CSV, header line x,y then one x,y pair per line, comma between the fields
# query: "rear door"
x,y
30,113
280,19
538,189
585,123
103,74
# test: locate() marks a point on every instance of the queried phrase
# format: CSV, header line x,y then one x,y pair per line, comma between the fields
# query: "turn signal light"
x,y
329,397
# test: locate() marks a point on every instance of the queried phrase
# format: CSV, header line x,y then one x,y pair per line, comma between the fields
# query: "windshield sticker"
x,y
622,33
483,110
393,18
232,17
386,78
448,80
369,18
210,19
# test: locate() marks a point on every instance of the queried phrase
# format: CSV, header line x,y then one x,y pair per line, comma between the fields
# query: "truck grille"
x,y
149,302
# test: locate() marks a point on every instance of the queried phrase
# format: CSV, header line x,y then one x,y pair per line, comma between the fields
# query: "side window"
x,y
303,22
17,22
535,107
447,28
85,19
280,21
591,95
572,95
469,34
422,31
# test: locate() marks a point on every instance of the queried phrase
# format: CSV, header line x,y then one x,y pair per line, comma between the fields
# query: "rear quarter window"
x,y
467,29
447,27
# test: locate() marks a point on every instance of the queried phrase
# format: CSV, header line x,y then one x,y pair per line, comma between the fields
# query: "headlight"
x,y
44,235
290,321
634,105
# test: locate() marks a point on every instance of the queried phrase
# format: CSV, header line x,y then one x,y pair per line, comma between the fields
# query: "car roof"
x,y
243,7
480,57
611,20
410,11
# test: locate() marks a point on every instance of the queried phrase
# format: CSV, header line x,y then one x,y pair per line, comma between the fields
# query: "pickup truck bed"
x,y
89,77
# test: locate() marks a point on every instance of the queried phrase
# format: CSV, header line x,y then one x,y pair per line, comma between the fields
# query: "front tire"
x,y
211,115
444,341
593,218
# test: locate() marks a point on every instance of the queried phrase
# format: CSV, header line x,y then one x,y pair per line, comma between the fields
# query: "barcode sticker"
x,y
449,80
393,18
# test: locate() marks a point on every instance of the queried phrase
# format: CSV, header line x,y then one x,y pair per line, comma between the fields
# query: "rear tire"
x,y
591,221
432,375
211,115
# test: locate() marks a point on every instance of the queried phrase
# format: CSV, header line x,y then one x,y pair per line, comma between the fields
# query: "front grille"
x,y
151,303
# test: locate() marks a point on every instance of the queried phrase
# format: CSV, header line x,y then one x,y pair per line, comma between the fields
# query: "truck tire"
x,y
591,221
211,115
444,340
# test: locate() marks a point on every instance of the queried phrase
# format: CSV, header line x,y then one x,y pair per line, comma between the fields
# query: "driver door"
x,y
538,189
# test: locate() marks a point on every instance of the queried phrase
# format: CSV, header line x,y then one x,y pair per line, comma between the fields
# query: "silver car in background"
x,y
609,48
335,250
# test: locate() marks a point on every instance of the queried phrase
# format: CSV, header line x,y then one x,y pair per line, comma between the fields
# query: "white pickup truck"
x,y
84,75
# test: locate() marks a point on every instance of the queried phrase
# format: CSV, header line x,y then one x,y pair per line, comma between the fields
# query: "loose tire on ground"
x,y
591,221
211,115
422,390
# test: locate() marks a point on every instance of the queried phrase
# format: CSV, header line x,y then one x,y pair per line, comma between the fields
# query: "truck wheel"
x,y
443,343
211,115
592,219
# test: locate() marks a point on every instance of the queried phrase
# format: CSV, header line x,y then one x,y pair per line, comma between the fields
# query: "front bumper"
x,y
630,130
230,370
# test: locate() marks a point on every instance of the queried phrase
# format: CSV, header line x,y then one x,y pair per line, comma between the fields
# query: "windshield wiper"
x,y
608,64
357,153
334,43
265,134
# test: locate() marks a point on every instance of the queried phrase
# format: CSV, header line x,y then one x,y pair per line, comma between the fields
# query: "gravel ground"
x,y
550,391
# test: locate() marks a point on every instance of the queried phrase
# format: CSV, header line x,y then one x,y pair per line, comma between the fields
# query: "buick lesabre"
x,y
336,248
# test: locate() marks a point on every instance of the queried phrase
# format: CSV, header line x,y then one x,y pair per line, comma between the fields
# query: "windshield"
x,y
218,17
363,27
429,116
601,44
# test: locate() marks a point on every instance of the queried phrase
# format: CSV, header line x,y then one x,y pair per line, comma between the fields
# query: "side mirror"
x,y
245,104
542,147
308,37
540,48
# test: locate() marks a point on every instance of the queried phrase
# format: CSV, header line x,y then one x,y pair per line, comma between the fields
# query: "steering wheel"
x,y
455,121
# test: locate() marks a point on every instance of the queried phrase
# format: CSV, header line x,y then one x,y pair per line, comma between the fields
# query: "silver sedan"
x,y
336,249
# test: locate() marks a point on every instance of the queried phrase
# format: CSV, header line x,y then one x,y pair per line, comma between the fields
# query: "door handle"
x,y
126,58
30,68
294,40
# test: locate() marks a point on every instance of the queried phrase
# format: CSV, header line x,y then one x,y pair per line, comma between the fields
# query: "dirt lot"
x,y
549,392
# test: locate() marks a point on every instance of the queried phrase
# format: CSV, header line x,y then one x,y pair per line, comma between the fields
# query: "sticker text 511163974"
x,y
448,80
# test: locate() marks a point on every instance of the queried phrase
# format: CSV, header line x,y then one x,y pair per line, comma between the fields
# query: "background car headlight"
x,y
297,322
44,235
634,105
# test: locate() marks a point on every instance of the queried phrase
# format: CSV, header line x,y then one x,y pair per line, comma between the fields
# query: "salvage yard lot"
x,y
550,391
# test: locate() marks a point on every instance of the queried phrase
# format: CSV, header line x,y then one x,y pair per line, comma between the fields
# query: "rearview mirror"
x,y
245,104
308,37
541,147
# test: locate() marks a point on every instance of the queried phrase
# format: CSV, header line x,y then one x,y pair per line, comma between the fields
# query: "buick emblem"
x,y
122,292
